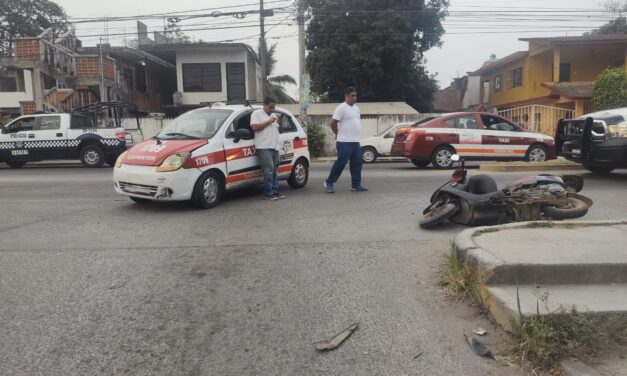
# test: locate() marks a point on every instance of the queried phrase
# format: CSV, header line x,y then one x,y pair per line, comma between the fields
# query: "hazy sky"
x,y
475,29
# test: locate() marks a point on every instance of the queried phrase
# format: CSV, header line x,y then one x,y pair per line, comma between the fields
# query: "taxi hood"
x,y
152,153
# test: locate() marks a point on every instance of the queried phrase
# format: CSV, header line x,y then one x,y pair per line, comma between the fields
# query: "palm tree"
x,y
276,84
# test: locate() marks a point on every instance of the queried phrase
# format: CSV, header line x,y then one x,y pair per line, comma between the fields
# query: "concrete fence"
x,y
148,127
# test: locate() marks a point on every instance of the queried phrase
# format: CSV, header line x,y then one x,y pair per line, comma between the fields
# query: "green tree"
x,y
276,84
616,26
610,90
28,18
375,45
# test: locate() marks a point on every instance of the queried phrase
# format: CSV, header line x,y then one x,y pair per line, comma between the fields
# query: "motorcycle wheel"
x,y
575,208
437,214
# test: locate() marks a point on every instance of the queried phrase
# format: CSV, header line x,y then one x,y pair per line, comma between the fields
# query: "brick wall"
x,y
108,65
28,108
27,48
87,66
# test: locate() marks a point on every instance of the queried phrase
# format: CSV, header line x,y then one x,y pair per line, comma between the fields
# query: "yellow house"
x,y
555,73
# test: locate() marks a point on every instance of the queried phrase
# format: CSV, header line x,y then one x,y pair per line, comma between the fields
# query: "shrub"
x,y
610,90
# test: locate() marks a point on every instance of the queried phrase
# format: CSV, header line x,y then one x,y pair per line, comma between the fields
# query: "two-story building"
x,y
206,72
57,74
54,74
210,72
553,79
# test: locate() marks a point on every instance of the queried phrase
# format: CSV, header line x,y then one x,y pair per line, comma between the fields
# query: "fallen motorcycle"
x,y
477,201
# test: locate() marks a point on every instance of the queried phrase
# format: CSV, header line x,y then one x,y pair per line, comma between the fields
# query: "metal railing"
x,y
538,118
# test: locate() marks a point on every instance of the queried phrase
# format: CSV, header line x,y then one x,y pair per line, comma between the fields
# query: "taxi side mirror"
x,y
242,134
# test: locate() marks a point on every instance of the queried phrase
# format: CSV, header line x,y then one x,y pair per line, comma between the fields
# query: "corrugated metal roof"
x,y
581,38
367,108
574,90
499,63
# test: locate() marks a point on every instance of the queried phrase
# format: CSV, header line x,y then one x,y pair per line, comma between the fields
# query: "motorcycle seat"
x,y
481,184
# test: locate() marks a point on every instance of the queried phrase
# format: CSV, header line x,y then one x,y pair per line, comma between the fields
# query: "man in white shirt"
x,y
265,124
346,125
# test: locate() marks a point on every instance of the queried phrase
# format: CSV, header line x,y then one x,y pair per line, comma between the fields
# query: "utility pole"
x,y
262,47
101,69
301,59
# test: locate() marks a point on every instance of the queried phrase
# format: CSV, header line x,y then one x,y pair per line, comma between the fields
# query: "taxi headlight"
x,y
173,162
618,130
118,162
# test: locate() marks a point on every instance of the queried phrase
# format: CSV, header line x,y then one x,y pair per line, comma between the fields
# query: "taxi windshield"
x,y
203,124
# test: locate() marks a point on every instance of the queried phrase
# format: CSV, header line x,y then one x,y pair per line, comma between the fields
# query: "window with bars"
x,y
517,77
8,84
498,83
202,77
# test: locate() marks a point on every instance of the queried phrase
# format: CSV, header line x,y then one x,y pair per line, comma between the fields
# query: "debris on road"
x,y
480,332
336,341
117,284
479,348
418,354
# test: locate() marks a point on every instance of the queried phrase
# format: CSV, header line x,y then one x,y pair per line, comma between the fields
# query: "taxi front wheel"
x,y
208,190
300,174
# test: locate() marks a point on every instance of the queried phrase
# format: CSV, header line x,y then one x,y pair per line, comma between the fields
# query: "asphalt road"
x,y
92,284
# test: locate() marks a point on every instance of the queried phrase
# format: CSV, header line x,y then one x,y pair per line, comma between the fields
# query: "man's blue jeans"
x,y
269,161
347,151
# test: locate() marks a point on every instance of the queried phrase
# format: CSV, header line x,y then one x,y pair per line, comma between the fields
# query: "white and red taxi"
x,y
205,152
475,136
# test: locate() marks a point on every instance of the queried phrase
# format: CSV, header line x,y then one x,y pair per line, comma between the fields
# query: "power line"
x,y
161,15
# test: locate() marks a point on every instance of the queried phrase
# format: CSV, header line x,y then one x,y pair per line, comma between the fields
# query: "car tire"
x,y
92,156
439,212
537,153
300,174
598,169
16,164
576,208
140,200
208,190
419,163
441,157
369,154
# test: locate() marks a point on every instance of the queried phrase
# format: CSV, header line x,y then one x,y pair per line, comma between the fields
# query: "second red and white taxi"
x,y
473,136
204,153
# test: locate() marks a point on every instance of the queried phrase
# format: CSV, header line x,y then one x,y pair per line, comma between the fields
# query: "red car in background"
x,y
474,136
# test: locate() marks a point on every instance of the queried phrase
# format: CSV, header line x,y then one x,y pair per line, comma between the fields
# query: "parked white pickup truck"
x,y
60,136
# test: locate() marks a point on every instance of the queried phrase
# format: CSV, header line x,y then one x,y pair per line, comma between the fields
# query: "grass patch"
x,y
459,279
545,340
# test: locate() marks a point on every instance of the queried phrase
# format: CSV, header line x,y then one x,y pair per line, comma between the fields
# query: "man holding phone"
x,y
266,125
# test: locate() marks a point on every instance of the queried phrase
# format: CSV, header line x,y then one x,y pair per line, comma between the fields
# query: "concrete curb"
x,y
465,238
491,268
468,250
577,368
532,167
